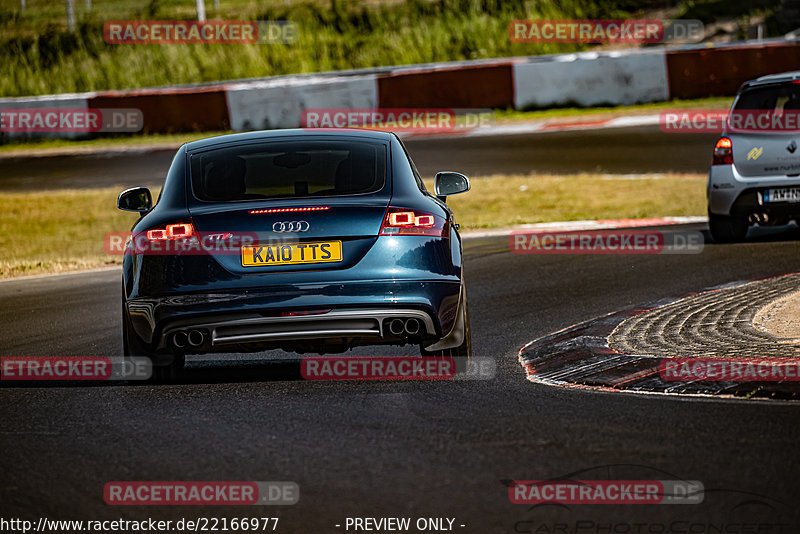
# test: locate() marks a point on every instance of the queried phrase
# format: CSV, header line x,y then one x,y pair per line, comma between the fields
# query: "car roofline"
x,y
247,137
771,79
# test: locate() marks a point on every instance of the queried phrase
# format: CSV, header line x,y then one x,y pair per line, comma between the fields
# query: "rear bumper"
x,y
365,325
354,311
731,194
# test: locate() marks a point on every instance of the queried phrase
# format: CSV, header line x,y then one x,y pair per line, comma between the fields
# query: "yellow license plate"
x,y
292,254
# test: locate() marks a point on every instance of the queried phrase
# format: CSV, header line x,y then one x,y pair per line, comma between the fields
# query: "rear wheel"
x,y
465,349
166,367
727,229
462,352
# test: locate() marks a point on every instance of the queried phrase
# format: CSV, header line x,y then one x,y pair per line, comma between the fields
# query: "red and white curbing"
x,y
545,126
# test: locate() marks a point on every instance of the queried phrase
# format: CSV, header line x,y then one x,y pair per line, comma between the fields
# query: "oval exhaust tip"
x,y
179,339
195,338
412,327
396,327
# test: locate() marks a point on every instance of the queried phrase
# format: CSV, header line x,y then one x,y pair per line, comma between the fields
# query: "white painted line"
x,y
567,226
582,123
634,120
67,273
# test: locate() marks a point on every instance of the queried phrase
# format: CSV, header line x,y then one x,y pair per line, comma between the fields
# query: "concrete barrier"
x,y
62,101
171,110
480,86
699,73
279,103
583,79
591,79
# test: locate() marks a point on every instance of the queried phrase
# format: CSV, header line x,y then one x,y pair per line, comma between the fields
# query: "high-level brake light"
x,y
285,210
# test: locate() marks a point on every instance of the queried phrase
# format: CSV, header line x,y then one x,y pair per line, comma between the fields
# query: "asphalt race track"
x,y
410,449
612,150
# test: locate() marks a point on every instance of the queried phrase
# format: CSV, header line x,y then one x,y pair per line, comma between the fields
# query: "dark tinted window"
x,y
287,169
775,98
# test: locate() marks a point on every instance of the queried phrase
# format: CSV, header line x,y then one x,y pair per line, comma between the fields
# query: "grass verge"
x,y
722,102
507,200
58,231
35,144
38,55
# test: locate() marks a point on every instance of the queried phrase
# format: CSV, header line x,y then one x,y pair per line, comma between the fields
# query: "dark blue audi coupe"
x,y
310,241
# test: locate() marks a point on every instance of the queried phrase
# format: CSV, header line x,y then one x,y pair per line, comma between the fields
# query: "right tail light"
x,y
400,221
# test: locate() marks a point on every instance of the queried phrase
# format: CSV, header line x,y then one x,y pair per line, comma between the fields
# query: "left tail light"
x,y
723,152
402,221
182,230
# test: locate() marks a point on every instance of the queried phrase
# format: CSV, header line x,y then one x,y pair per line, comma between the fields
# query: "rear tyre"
x,y
169,368
464,351
166,367
727,229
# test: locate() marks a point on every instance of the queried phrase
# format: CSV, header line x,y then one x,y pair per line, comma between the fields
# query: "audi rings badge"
x,y
290,226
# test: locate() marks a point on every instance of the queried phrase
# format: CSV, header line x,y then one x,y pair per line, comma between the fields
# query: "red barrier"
x,y
482,86
720,71
172,110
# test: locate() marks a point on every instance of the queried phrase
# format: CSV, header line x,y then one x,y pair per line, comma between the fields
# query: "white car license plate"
x,y
785,194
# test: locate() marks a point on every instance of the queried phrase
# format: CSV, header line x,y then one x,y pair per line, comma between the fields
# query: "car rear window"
x,y
774,98
771,108
288,169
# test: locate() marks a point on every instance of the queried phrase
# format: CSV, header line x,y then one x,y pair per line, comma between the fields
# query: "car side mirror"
x,y
136,199
448,183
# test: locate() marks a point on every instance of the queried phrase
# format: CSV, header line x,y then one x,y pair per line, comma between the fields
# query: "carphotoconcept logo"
x,y
34,368
729,369
71,120
638,31
209,493
620,241
195,32
407,120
